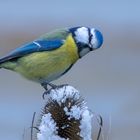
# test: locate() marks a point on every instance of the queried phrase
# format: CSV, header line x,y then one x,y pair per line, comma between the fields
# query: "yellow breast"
x,y
48,65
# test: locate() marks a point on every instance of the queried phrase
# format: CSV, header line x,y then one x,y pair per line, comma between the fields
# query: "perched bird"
x,y
53,54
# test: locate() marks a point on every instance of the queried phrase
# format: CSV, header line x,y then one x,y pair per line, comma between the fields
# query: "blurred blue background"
x,y
108,78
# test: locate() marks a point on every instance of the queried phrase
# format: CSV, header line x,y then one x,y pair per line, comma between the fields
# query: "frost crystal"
x,y
85,126
61,94
48,129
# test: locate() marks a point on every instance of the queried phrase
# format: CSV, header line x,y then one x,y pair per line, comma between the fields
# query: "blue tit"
x,y
53,54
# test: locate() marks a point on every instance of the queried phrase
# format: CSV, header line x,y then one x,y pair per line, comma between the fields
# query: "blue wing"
x,y
35,46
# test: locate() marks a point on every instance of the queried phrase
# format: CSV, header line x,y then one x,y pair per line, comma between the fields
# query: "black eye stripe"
x,y
90,36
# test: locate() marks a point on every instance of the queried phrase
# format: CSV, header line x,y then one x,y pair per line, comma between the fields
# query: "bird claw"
x,y
46,93
52,87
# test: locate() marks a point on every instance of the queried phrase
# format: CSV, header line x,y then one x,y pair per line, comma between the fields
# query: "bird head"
x,y
87,39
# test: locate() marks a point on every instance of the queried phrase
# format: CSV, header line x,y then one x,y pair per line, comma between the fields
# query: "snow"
x,y
86,125
75,112
48,129
61,94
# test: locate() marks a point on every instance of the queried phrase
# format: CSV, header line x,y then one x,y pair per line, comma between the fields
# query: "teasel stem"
x,y
100,128
32,125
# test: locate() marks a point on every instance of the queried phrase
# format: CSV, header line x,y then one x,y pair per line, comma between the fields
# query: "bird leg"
x,y
45,86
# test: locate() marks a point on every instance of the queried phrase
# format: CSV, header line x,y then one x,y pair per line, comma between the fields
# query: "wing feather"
x,y
35,46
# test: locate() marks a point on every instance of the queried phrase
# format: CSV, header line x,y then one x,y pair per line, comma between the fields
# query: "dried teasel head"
x,y
65,116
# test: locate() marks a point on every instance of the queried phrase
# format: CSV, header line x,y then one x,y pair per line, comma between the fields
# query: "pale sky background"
x,y
108,78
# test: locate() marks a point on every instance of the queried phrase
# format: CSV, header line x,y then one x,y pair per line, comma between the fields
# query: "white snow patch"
x,y
75,112
48,129
61,94
86,128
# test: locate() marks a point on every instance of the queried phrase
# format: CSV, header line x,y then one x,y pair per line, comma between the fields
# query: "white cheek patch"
x,y
81,35
94,42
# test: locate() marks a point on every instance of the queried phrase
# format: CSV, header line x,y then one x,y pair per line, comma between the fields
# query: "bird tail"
x,y
1,64
3,61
